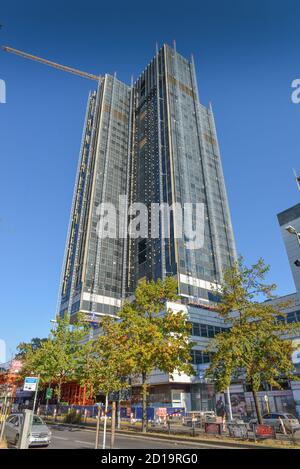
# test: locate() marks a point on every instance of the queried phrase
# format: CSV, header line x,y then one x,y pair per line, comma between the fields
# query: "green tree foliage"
x,y
155,340
144,337
56,361
24,347
258,345
104,362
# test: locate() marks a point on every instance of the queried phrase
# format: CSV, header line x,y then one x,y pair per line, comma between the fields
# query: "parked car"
x,y
291,423
40,434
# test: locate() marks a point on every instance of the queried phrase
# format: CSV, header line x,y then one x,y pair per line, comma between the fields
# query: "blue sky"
x,y
246,53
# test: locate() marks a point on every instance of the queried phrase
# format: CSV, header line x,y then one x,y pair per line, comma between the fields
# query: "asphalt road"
x,y
74,438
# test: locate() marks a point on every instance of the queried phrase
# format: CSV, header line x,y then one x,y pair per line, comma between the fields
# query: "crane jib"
x,y
58,66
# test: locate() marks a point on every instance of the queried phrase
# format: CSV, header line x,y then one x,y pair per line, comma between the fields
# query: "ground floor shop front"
x,y
203,397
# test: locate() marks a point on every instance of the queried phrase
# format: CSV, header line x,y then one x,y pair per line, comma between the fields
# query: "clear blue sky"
x,y
247,54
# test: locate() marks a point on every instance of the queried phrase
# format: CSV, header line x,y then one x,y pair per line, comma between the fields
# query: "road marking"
x,y
60,438
176,442
161,440
85,442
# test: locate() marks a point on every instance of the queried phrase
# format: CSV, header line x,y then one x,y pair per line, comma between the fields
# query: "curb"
x,y
233,444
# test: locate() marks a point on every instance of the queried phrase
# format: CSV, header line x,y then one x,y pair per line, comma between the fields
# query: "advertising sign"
x,y
15,366
237,430
264,431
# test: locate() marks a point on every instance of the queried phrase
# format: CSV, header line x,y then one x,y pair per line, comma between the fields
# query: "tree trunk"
x,y
144,392
59,391
105,422
257,407
58,396
113,425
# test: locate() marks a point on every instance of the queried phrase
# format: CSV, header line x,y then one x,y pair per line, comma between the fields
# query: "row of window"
x,y
199,357
290,317
205,330
209,331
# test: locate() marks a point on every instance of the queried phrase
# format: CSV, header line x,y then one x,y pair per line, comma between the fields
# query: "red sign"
x,y
264,431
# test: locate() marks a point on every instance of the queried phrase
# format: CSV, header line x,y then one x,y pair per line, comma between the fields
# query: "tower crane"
x,y
64,68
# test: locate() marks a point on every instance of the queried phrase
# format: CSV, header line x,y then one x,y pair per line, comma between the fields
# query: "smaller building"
x,y
195,393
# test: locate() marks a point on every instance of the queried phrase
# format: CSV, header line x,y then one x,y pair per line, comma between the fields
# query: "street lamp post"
x,y
229,404
292,230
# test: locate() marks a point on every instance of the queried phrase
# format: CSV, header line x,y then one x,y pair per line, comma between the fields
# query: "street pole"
x,y
229,404
35,395
28,420
119,411
105,421
267,402
98,427
113,425
26,429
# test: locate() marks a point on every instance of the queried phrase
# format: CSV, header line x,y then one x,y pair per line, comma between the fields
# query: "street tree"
x,y
258,345
105,366
157,338
56,361
24,347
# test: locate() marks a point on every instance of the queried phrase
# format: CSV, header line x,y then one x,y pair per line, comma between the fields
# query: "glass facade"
x,y
176,159
93,274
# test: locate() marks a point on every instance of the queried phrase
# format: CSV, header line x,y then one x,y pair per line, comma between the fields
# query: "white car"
x,y
40,434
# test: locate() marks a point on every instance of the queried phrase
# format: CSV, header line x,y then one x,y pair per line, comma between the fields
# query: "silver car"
x,y
290,422
40,434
